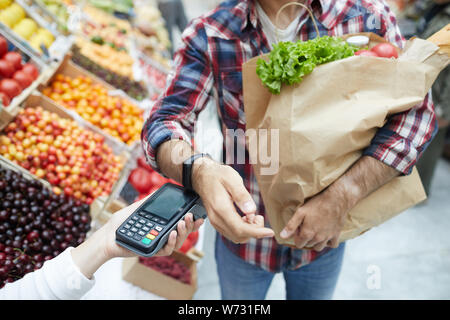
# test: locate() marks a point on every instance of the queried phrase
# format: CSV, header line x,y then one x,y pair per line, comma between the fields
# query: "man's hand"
x,y
220,188
318,222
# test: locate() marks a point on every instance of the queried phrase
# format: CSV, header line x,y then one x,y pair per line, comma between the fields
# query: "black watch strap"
x,y
187,169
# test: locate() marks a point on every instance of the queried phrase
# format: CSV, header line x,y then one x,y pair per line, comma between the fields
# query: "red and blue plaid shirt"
x,y
209,64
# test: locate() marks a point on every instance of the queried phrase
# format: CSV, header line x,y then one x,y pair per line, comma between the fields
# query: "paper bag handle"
x,y
296,4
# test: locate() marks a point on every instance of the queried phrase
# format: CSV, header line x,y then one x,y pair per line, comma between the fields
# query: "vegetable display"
x,y
289,62
15,76
144,180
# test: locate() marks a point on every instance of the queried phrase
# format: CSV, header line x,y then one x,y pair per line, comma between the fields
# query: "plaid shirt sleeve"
x,y
404,137
175,112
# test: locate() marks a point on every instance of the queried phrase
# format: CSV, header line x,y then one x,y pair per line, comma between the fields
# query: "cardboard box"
x,y
70,69
6,116
100,213
158,283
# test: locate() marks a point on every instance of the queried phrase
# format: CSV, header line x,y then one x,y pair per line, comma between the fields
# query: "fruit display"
x,y
111,6
35,225
15,76
15,17
119,62
114,67
150,32
113,114
103,28
59,9
168,266
74,160
154,75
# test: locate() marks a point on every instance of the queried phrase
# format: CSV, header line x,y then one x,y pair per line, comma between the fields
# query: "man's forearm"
x,y
365,176
170,157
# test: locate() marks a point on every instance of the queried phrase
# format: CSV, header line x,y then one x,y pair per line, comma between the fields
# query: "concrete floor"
x,y
410,255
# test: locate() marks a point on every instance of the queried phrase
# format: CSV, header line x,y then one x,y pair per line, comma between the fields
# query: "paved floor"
x,y
408,257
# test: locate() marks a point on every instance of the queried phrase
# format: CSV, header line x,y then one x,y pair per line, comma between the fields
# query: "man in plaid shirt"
x,y
209,66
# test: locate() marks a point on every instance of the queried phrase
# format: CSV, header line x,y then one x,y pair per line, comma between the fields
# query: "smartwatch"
x,y
187,169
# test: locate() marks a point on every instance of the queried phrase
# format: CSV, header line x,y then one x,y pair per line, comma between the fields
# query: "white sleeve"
x,y
59,278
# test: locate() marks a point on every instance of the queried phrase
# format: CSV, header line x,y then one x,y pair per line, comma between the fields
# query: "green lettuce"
x,y
289,62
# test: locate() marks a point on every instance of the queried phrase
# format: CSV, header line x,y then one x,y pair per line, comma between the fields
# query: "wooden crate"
x,y
158,283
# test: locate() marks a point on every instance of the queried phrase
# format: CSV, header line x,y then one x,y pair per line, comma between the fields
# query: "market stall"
x,y
77,79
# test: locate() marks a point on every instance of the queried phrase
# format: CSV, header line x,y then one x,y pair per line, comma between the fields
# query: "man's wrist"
x,y
198,167
345,193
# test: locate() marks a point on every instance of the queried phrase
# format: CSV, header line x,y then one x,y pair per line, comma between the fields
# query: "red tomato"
x,y
385,50
143,164
140,179
15,58
157,180
23,79
10,87
187,244
6,69
31,70
3,46
5,99
366,53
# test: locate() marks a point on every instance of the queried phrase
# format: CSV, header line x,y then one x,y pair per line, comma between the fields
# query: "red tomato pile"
x,y
169,266
382,50
15,77
146,180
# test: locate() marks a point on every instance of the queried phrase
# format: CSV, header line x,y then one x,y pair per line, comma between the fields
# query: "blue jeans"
x,y
240,280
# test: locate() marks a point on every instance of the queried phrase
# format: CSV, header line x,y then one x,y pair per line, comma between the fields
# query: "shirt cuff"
x,y
158,132
65,279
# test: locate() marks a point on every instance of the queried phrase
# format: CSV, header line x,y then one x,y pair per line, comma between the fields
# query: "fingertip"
x,y
181,225
285,233
173,236
250,217
248,207
269,233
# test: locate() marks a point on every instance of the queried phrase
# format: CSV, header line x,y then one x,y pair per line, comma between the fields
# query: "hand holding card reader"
x,y
147,229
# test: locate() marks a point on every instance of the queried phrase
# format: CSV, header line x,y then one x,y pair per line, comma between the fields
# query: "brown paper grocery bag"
x,y
325,122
